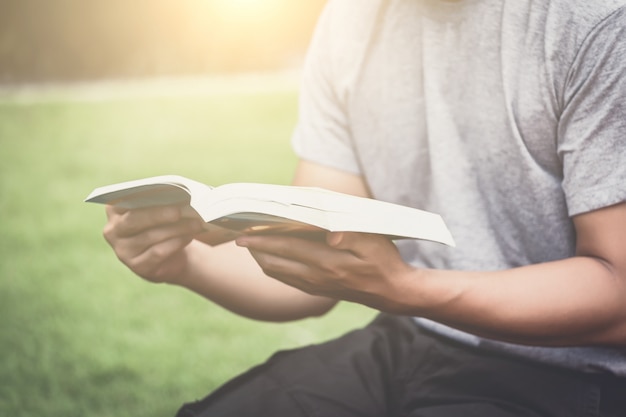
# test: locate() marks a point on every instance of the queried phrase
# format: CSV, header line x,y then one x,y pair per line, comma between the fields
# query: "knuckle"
x,y
268,265
330,269
108,232
160,252
268,268
141,268
134,264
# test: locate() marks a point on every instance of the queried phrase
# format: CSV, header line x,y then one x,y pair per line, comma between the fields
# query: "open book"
x,y
242,208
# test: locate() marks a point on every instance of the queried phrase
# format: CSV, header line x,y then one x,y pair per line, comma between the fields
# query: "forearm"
x,y
577,301
229,276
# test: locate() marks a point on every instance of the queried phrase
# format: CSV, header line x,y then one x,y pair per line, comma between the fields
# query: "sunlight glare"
x,y
247,8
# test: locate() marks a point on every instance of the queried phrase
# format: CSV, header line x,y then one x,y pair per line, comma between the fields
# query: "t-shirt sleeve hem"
x,y
596,198
311,147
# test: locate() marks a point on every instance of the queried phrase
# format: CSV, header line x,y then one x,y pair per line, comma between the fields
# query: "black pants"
x,y
391,368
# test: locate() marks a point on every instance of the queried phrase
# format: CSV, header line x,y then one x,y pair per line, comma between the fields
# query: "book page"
x,y
154,191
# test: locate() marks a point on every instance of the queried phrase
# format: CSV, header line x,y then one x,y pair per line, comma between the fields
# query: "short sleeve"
x,y
592,128
322,134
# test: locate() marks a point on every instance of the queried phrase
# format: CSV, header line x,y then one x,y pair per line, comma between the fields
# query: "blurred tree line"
x,y
62,40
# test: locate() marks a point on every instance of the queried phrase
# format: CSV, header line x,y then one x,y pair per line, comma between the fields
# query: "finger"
x,y
186,211
112,211
363,245
297,249
133,222
156,263
288,271
128,247
292,260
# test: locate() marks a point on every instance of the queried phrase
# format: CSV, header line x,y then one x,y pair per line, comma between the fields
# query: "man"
x,y
506,117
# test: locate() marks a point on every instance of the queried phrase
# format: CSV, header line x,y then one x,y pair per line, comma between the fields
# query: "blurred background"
x,y
95,92
68,40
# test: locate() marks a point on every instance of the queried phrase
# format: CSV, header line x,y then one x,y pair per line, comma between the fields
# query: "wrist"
x,y
405,297
187,276
426,293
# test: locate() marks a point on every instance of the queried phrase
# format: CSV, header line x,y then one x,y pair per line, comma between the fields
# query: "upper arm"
x,y
601,234
310,174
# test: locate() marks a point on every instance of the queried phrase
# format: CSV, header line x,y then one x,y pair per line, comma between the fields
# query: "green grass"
x,y
79,334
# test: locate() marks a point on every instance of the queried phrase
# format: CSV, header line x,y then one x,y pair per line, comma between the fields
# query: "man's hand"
x,y
358,267
152,241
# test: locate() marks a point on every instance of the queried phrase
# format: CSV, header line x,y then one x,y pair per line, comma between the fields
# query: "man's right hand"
x,y
151,242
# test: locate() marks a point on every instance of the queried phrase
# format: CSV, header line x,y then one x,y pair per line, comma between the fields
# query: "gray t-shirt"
x,y
505,117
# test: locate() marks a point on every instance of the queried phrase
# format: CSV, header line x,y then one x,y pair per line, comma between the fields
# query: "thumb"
x,y
336,240
361,244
